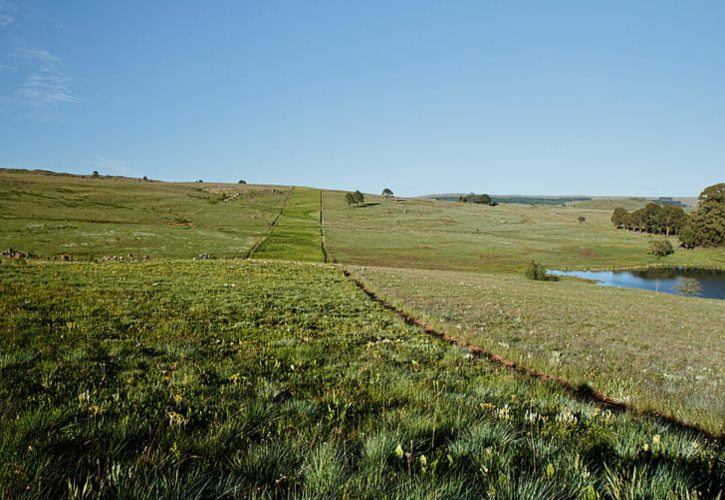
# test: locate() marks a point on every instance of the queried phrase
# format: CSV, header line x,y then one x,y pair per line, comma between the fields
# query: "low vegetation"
x,y
430,234
654,351
142,356
661,248
89,218
296,235
536,271
261,379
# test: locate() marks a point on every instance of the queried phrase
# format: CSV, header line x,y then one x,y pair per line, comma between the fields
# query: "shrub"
x,y
661,248
536,271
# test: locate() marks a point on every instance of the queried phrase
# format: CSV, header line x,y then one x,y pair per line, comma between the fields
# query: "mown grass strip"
x,y
271,226
296,235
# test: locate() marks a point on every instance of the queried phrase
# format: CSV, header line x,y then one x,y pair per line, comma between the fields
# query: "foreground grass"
x,y
297,233
656,351
427,234
257,379
88,218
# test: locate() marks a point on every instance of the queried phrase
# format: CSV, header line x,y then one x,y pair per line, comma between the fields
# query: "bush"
x,y
536,271
661,248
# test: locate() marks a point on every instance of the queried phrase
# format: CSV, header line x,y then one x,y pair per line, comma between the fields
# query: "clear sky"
x,y
539,97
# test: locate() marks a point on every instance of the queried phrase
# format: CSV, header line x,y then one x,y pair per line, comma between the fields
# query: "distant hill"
x,y
519,199
609,202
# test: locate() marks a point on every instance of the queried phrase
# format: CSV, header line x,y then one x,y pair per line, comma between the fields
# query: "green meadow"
x,y
296,235
262,379
89,218
657,352
429,234
265,372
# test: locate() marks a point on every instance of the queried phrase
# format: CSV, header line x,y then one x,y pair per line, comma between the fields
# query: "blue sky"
x,y
600,98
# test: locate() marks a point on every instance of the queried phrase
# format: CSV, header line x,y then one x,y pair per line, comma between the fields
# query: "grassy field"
x,y
427,234
296,236
655,351
276,376
261,379
89,218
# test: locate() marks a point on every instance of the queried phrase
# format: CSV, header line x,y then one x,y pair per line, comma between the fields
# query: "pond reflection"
x,y
704,283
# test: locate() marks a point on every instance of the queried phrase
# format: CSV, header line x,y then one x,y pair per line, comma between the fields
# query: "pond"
x,y
704,283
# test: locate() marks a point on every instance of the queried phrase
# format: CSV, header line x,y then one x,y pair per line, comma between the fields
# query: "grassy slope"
x,y
93,217
447,235
220,378
297,233
655,351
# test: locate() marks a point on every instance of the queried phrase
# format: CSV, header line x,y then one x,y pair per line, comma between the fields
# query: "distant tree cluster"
x,y
653,219
475,198
355,198
387,192
703,228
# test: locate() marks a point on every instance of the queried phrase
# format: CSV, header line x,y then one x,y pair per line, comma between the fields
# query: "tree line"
x,y
705,227
653,218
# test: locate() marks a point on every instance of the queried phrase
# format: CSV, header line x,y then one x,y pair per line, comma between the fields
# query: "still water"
x,y
704,283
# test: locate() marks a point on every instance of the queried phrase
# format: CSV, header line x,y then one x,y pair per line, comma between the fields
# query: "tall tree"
x,y
706,226
619,217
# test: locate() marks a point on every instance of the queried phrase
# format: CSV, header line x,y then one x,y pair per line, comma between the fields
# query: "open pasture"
x,y
263,379
428,234
654,351
93,217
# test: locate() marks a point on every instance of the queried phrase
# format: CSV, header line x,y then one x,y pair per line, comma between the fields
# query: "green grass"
x,y
89,218
274,379
296,235
263,378
654,351
427,234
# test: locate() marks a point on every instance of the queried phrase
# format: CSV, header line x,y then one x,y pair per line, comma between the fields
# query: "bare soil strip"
x,y
582,392
272,225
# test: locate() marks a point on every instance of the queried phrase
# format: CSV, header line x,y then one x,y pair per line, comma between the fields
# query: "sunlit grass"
x,y
297,233
89,218
654,351
260,379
